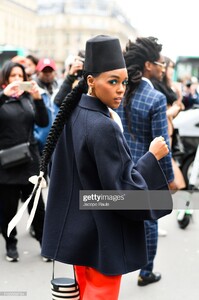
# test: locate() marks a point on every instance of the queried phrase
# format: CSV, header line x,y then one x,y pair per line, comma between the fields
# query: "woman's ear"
x,y
90,80
148,65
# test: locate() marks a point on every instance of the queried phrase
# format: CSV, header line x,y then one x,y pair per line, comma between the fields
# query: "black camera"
x,y
188,83
79,73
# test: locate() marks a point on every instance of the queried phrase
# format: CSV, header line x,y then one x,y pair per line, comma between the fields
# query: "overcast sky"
x,y
175,23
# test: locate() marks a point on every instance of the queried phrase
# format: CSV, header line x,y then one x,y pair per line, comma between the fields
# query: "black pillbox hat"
x,y
103,53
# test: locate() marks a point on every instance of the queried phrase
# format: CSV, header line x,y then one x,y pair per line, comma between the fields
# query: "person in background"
x,y
143,115
73,73
46,75
173,92
30,66
19,59
190,93
92,154
19,111
46,80
40,133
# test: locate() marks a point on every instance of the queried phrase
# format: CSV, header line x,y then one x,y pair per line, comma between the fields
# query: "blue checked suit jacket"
x,y
147,114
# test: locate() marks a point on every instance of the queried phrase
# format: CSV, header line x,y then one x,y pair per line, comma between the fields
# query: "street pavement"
x,y
177,259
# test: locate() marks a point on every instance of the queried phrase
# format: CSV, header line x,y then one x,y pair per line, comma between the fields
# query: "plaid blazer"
x,y
147,120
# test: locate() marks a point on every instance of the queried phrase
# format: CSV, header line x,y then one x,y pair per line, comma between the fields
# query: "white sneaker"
x,y
162,232
46,259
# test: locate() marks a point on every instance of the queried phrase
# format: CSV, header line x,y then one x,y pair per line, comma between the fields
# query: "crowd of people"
x,y
110,125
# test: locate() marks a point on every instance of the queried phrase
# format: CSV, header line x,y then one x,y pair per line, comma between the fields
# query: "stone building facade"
x,y
57,28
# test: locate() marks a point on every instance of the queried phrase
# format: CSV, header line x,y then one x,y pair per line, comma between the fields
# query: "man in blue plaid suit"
x,y
143,115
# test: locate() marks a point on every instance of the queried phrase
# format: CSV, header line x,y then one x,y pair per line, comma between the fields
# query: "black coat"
x,y
92,154
64,89
17,119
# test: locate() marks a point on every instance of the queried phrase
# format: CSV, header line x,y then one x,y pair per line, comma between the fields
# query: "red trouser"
x,y
96,286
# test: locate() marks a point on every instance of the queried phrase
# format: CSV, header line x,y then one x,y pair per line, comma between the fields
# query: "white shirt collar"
x,y
149,81
116,118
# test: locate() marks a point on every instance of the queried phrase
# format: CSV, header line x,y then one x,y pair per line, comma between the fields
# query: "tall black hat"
x,y
103,53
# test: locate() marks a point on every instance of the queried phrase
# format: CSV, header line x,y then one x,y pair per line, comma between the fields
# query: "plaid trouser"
x,y
151,230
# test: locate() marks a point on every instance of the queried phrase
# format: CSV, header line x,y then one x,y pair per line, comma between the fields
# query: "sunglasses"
x,y
163,65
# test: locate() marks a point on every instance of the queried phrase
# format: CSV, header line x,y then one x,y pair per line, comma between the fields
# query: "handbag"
x,y
14,156
64,288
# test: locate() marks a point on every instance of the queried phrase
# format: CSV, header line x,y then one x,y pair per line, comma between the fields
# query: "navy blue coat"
x,y
92,154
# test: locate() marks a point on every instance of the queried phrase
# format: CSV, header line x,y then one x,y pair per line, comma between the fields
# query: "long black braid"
x,y
66,108
136,55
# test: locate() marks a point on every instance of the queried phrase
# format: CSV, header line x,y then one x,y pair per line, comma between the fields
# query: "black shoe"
x,y
12,254
144,280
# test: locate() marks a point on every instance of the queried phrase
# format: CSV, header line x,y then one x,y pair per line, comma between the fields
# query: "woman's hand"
x,y
12,89
76,66
34,91
159,148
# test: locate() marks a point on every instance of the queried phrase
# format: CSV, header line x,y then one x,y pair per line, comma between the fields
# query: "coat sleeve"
x,y
64,90
118,172
147,166
41,113
3,98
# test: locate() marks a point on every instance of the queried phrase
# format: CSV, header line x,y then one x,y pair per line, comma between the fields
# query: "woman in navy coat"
x,y
92,154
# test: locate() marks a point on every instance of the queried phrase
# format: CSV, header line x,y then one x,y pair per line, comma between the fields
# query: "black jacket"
x,y
166,90
92,154
65,89
17,119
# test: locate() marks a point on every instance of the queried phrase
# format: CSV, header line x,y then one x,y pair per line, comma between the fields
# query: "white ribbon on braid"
x,y
39,183
116,118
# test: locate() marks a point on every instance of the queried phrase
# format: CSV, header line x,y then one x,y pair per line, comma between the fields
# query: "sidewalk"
x,y
177,260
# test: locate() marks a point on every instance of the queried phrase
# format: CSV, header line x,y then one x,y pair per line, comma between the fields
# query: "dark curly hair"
x,y
136,55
